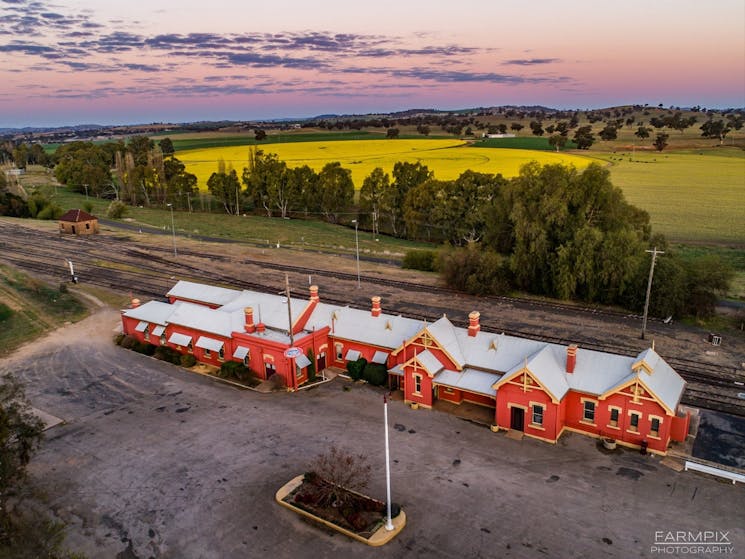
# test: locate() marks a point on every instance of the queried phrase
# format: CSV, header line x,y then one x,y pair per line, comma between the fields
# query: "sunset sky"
x,y
136,61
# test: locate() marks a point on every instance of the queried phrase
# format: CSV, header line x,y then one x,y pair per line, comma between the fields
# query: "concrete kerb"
x,y
381,536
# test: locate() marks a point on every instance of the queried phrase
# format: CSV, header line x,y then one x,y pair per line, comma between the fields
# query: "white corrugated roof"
x,y
141,326
203,318
380,357
302,361
430,363
386,330
203,293
470,380
152,311
209,343
444,332
352,355
240,352
268,308
179,339
158,330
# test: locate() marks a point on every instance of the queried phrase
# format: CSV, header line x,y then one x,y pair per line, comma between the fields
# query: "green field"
x,y
447,158
690,195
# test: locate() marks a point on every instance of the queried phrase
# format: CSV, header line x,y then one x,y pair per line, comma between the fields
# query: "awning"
x,y
397,370
302,361
209,343
380,357
141,326
352,355
158,330
179,339
240,352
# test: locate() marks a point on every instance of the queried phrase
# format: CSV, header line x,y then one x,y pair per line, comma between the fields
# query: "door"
x,y
269,369
321,361
517,419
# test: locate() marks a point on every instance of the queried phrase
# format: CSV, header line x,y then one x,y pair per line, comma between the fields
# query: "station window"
x,y
537,414
190,347
221,354
613,417
207,353
654,431
163,339
634,423
339,352
246,359
588,413
417,384
146,332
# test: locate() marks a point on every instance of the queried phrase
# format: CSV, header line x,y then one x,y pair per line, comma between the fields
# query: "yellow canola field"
x,y
447,158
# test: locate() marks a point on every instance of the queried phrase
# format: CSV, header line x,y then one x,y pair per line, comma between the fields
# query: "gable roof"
x,y
76,216
428,362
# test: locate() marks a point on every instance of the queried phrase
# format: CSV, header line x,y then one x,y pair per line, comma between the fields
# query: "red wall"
x,y
425,398
512,394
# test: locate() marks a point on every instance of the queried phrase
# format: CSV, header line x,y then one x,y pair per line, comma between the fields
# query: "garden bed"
x,y
362,517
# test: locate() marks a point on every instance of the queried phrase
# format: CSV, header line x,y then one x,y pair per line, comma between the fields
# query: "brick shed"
x,y
78,222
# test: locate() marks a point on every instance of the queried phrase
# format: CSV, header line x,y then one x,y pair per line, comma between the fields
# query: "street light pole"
x,y
357,245
173,231
654,253
388,523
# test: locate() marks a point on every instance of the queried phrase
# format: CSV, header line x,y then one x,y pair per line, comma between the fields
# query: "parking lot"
x,y
154,461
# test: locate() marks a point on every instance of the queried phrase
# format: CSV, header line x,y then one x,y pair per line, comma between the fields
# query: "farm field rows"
x,y
447,158
690,195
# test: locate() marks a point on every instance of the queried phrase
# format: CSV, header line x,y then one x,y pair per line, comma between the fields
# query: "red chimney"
x,y
473,323
313,293
571,357
260,328
375,306
249,314
134,303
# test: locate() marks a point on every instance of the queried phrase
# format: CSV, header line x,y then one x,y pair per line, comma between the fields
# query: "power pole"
x,y
654,254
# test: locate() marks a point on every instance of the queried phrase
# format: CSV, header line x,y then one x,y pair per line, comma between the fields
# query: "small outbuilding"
x,y
78,222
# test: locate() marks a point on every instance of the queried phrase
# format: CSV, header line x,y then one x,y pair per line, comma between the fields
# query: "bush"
x,y
116,210
355,368
5,312
143,347
236,370
118,339
375,373
88,207
128,342
424,260
188,360
165,353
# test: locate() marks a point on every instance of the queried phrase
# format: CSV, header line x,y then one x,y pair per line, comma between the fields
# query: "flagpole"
x,y
388,523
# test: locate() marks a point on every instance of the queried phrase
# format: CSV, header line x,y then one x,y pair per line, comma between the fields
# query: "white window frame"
x,y
594,403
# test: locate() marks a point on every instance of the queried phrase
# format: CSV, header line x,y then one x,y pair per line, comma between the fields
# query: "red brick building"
x,y
78,222
534,387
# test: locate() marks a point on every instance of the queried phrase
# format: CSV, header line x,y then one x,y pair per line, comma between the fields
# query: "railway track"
x,y
108,262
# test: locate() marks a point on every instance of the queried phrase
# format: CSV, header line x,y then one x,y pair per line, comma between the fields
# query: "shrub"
x,y
119,338
63,287
424,260
5,312
144,348
165,353
375,373
188,360
116,210
340,472
355,368
236,370
88,206
128,342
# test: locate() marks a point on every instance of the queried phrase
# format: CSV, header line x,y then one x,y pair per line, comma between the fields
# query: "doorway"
x,y
517,419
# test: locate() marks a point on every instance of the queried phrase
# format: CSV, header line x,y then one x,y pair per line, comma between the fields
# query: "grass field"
x,y
29,307
447,158
691,195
